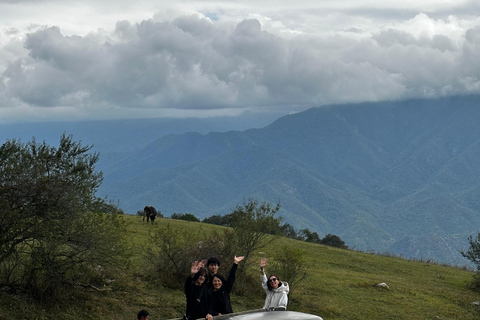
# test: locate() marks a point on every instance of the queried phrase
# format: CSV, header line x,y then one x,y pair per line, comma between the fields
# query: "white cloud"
x,y
221,58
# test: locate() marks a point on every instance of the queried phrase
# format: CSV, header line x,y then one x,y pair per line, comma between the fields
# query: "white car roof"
x,y
270,315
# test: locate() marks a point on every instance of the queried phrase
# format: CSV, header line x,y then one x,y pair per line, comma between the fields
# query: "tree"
x,y
289,231
290,265
170,253
51,228
254,226
185,216
473,254
309,236
333,241
225,220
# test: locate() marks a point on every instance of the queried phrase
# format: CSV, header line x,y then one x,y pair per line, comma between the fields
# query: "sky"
x,y
63,60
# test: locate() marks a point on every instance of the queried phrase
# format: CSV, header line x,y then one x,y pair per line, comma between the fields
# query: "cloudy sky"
x,y
105,59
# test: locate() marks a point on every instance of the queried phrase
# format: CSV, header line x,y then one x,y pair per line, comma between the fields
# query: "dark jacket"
x,y
199,300
221,298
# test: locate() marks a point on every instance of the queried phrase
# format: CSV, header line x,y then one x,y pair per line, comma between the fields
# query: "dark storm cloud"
x,y
192,63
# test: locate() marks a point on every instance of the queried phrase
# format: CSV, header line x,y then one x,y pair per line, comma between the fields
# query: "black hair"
x,y
268,282
142,313
201,272
219,277
213,261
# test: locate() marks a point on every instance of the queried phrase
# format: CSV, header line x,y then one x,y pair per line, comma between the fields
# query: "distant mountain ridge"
x,y
400,177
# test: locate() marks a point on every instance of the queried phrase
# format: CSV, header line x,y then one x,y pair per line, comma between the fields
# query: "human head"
x,y
200,277
213,264
143,315
273,284
217,282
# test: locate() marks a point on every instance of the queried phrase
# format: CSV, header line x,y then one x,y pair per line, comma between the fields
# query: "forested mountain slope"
x,y
401,177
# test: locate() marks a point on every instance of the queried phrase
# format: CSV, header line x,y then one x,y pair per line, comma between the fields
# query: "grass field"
x,y
341,284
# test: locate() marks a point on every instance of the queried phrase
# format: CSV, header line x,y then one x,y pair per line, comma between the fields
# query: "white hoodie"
x,y
276,297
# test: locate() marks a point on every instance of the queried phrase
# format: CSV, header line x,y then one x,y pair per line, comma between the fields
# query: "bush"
x,y
289,264
308,236
289,231
254,226
333,241
170,253
473,254
218,220
52,231
185,216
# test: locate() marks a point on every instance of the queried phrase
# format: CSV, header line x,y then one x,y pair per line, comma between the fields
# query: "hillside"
x,y
398,177
341,284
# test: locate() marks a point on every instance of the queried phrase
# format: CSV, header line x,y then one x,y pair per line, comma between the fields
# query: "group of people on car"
x,y
208,293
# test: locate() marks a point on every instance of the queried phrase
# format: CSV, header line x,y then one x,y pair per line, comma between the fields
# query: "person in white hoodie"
x,y
276,290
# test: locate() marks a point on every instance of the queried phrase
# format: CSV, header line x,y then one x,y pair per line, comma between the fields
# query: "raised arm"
x,y
263,263
228,284
263,277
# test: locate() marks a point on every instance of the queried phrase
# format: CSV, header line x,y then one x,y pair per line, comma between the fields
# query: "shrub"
x,y
171,253
333,241
254,226
218,220
185,216
289,264
473,254
52,230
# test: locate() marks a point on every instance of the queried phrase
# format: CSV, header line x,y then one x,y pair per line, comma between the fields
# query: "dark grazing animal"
x,y
150,213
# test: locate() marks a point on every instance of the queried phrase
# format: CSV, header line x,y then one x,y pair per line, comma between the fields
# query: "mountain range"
x,y
391,177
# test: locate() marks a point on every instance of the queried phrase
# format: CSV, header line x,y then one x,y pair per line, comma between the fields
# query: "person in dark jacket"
x,y
221,289
212,266
199,298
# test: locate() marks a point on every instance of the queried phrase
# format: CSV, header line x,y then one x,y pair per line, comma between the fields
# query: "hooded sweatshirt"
x,y
276,297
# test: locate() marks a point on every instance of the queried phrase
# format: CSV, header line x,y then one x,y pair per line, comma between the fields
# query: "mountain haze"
x,y
400,177
127,135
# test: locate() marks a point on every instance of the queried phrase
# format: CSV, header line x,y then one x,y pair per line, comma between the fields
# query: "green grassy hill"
x,y
341,284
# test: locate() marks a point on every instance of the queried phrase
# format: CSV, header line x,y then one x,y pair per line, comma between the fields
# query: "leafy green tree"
x,y
51,229
289,231
333,241
185,216
170,253
473,254
225,220
110,207
309,236
290,265
254,226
